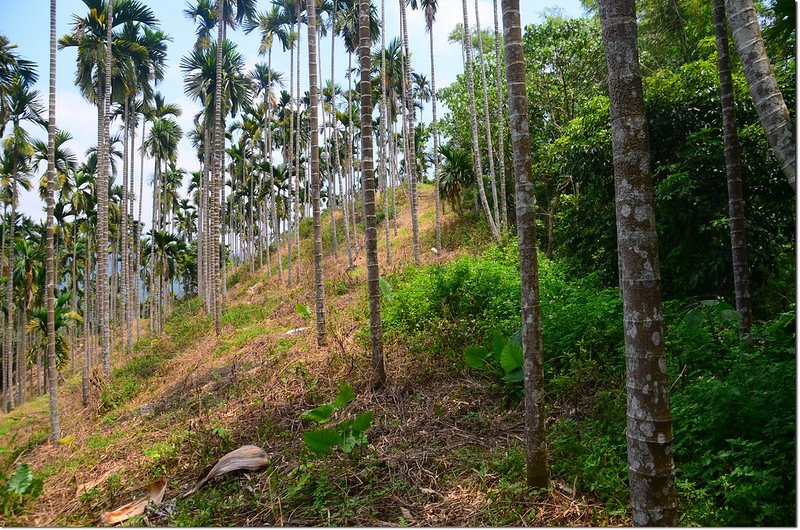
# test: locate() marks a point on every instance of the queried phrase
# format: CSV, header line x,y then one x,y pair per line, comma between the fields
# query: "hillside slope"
x,y
443,448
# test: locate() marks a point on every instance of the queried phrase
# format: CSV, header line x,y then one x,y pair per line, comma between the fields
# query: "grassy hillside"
x,y
445,444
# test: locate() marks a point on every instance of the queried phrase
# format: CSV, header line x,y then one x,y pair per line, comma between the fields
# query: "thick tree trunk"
x,y
649,433
733,168
367,172
767,97
476,155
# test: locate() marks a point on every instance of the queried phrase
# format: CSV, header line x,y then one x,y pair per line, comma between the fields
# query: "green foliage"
x,y
348,434
21,487
734,416
304,311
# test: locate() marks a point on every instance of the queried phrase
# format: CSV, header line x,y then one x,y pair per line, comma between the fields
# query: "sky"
x,y
26,23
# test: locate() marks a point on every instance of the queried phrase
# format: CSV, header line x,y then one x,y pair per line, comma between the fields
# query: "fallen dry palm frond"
x,y
155,495
247,457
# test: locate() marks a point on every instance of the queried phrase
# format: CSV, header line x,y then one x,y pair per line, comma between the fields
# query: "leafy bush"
x,y
467,302
348,434
22,486
734,416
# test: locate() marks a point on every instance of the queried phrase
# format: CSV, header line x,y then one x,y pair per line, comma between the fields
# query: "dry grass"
x,y
432,426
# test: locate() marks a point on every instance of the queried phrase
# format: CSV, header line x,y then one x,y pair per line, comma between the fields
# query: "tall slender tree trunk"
x,y
733,167
55,428
767,97
535,442
9,336
123,235
367,172
487,116
650,465
298,122
332,132
383,144
313,127
501,150
411,155
435,132
102,204
218,179
273,207
476,151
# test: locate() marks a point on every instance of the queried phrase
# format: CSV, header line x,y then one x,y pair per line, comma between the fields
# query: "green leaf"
x,y
386,289
731,314
514,377
362,422
475,356
498,343
345,396
322,441
320,414
304,311
20,480
511,357
693,320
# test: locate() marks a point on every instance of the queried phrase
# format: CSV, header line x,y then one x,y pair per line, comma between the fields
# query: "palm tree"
x,y
429,8
50,273
474,122
649,429
23,106
13,68
93,36
733,167
410,154
367,172
270,25
536,451
487,120
767,97
501,154
315,181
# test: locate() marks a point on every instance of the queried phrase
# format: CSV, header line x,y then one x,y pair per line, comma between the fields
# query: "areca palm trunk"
x,y
139,236
384,143
102,204
733,168
649,427
290,169
487,120
767,97
315,179
332,133
52,379
411,156
535,442
9,336
123,235
217,178
476,153
501,151
298,122
435,132
268,148
87,330
371,231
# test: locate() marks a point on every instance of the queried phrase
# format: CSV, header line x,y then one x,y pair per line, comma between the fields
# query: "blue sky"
x,y
26,23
